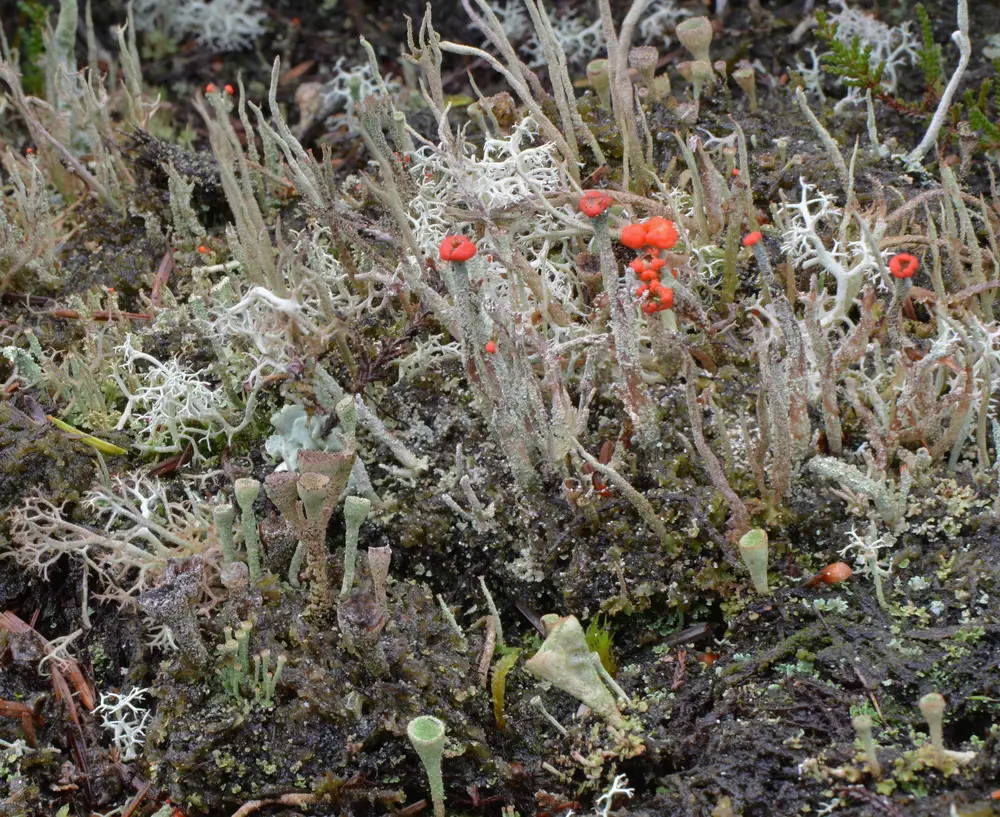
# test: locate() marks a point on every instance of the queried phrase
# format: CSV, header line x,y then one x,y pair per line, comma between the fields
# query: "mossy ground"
x,y
749,713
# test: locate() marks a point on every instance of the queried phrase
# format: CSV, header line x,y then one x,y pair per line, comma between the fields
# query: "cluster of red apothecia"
x,y
649,238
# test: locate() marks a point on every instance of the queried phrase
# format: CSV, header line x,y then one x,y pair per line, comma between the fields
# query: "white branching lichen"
x,y
125,719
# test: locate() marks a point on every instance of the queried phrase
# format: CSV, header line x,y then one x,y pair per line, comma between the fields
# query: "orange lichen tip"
x,y
203,249
457,248
662,236
834,573
594,202
752,238
903,265
634,236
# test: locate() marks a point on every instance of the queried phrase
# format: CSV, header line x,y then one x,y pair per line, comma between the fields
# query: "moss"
x,y
35,455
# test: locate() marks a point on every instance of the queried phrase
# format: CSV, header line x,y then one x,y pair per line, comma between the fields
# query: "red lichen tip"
x,y
752,238
595,202
655,222
203,249
229,89
663,236
903,265
210,88
491,347
457,248
634,236
655,232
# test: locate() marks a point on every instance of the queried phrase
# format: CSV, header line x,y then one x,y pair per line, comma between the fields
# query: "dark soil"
x,y
740,704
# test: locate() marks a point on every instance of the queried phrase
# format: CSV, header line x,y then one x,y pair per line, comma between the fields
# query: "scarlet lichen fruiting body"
x,y
633,236
903,265
456,248
663,237
594,202
650,237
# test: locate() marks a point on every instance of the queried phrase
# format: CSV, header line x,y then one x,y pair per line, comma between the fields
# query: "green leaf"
x,y
988,130
96,442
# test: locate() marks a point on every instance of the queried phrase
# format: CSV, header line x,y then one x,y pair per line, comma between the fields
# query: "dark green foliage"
x,y
989,133
996,83
979,100
929,53
852,63
978,107
599,640
30,44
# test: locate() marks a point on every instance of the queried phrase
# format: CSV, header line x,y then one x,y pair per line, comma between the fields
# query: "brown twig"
x,y
292,799
15,709
167,266
13,80
489,645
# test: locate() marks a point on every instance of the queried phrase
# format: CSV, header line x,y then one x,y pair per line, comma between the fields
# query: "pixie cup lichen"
x,y
427,734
